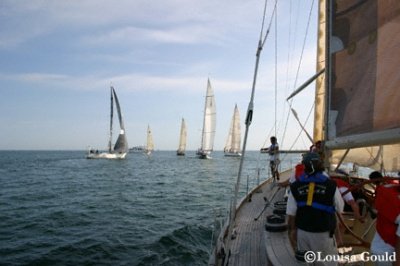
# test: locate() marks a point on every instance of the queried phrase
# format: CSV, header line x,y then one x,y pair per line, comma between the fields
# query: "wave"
x,y
188,245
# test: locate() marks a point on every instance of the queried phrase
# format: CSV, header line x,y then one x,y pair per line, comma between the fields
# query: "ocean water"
x,y
58,208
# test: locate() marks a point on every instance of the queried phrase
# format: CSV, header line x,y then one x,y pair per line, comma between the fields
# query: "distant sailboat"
x,y
182,140
232,146
150,144
209,123
120,149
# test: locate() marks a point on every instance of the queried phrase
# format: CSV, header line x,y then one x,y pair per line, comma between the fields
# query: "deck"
x,y
253,245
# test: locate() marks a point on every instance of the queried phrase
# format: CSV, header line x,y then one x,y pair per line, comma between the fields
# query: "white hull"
x,y
204,154
233,154
106,155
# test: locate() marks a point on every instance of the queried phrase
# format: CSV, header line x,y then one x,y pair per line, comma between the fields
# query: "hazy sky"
x,y
58,59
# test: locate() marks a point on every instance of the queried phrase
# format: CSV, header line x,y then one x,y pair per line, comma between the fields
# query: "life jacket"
x,y
387,203
315,203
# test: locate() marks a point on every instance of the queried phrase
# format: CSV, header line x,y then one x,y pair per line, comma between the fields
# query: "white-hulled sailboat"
x,y
355,101
232,146
209,123
182,139
120,149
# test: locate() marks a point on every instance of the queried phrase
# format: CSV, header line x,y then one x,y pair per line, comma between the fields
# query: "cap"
x,y
311,157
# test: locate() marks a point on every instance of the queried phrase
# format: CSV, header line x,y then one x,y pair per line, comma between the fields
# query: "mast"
x,y
249,115
111,119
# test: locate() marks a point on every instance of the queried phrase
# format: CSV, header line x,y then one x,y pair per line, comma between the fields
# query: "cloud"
x,y
189,34
154,20
128,82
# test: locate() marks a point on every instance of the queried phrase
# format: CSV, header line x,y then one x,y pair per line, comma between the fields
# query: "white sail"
x,y
209,123
120,148
182,139
232,146
150,143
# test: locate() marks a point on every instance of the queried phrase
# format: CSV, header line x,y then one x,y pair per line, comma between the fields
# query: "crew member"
x,y
311,207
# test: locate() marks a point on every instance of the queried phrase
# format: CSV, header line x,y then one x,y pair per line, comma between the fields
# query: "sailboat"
x,y
120,148
209,123
149,144
182,139
354,116
232,146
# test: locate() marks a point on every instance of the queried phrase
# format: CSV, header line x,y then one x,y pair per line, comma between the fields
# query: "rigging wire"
x,y
276,69
298,69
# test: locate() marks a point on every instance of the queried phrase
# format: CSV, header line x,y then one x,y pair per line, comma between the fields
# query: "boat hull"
x,y
106,155
233,154
203,154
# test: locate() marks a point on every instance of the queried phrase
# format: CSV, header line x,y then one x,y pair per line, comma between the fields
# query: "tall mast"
x,y
111,119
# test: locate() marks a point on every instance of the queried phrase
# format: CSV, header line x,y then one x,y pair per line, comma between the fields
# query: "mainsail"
x,y
150,143
234,137
182,138
361,116
121,145
209,122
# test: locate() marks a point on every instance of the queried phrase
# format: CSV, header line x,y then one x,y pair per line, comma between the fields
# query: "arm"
x,y
356,210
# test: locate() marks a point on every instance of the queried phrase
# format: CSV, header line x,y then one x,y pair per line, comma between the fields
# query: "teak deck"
x,y
253,245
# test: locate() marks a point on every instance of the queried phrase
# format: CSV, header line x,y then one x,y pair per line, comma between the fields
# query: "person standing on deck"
x,y
273,151
311,207
387,235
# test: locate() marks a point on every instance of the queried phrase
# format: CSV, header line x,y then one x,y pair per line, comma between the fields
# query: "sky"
x,y
59,58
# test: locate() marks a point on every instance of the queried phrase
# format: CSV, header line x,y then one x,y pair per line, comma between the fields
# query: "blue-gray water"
x,y
58,208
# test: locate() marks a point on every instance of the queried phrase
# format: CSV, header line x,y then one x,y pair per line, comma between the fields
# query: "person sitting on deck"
x,y
311,207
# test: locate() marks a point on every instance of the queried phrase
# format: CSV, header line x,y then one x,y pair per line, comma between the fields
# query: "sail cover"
x,y
364,83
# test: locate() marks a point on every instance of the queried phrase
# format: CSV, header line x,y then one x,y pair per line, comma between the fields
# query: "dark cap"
x,y
311,157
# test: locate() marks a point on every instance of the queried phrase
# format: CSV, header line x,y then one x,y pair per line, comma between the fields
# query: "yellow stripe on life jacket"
x,y
310,193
